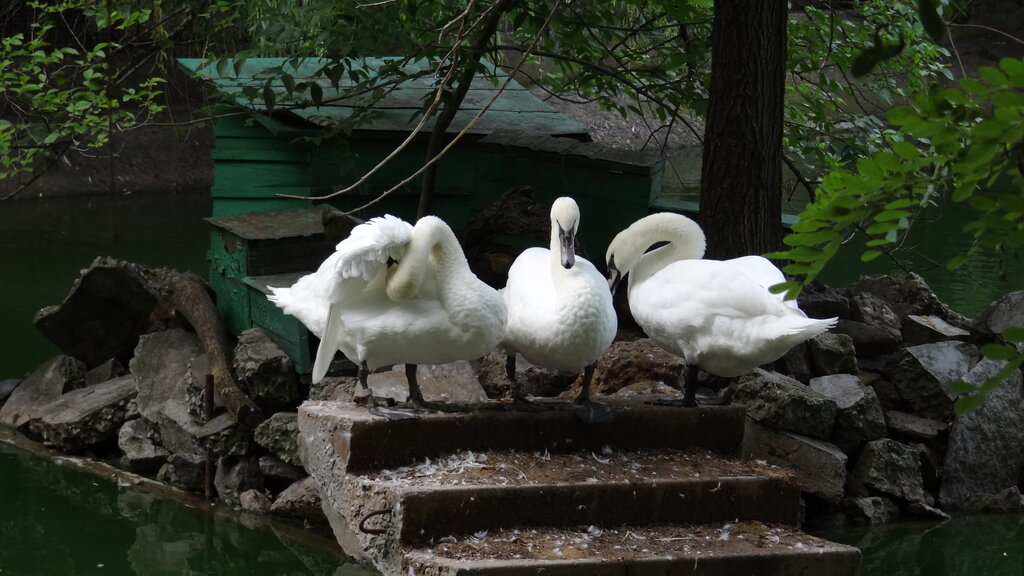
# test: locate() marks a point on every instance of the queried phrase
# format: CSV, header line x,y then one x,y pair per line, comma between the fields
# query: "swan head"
x,y
565,221
684,237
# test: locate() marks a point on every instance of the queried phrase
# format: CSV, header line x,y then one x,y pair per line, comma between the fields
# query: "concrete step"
x,y
395,490
360,442
469,492
720,549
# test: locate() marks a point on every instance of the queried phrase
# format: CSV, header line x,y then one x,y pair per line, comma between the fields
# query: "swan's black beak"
x,y
568,247
614,276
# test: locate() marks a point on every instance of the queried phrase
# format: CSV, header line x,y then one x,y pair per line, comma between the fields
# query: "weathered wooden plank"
x,y
492,121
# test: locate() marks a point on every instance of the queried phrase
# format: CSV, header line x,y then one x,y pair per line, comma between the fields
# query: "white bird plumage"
x,y
718,315
393,293
560,313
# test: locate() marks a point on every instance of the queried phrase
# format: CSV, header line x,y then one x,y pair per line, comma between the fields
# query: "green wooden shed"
x,y
260,156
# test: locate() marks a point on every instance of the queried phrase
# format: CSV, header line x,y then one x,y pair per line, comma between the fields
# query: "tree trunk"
x,y
191,299
741,181
468,63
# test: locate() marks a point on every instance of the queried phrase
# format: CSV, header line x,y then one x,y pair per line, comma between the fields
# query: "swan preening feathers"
x,y
718,315
393,293
560,313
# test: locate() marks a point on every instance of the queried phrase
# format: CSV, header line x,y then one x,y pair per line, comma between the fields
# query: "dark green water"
x,y
56,520
991,545
44,245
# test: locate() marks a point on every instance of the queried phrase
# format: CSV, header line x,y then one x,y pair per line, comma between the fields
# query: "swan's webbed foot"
x,y
391,413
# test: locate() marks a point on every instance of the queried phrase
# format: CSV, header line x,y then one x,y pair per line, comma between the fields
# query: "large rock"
x,y
1004,313
868,340
301,500
108,307
456,382
918,329
265,372
832,354
820,467
888,468
985,454
160,365
922,375
820,301
873,311
785,404
533,380
86,416
859,418
630,362
903,426
7,386
44,386
908,294
279,474
163,366
280,435
1009,500
138,440
236,475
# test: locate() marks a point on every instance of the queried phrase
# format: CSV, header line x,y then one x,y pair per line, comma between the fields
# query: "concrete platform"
x,y
729,549
397,490
364,442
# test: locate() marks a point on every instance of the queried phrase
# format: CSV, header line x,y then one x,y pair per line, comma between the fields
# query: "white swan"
x,y
718,315
396,294
560,313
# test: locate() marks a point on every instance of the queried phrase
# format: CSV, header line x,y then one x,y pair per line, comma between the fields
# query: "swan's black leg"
x,y
371,402
586,409
690,386
415,394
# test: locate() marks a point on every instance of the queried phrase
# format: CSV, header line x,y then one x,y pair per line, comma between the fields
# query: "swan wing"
x,y
763,272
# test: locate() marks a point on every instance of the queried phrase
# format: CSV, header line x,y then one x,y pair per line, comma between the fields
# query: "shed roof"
x,y
515,109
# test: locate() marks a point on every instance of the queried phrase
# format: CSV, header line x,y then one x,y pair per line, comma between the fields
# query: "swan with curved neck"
x,y
560,313
717,315
396,294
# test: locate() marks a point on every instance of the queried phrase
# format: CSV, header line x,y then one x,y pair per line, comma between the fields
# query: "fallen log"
x,y
190,297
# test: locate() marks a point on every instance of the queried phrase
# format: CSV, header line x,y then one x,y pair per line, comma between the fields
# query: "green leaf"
x,y
968,404
992,75
972,86
870,255
957,261
269,98
960,387
1014,334
998,352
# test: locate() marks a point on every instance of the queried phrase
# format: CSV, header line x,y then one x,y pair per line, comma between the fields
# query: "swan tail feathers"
x,y
801,328
328,345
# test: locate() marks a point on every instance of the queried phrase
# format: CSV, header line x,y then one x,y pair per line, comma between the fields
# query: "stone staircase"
x,y
661,490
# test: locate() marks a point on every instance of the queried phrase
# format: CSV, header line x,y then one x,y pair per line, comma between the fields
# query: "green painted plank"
x,y
236,206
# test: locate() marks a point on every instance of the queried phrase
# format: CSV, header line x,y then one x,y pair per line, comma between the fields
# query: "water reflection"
x,y
44,244
991,545
57,520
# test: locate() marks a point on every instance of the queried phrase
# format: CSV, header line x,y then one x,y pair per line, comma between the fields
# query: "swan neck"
x,y
433,245
685,241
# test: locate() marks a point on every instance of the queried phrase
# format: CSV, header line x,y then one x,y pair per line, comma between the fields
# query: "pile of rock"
x,y
866,413
863,414
130,389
